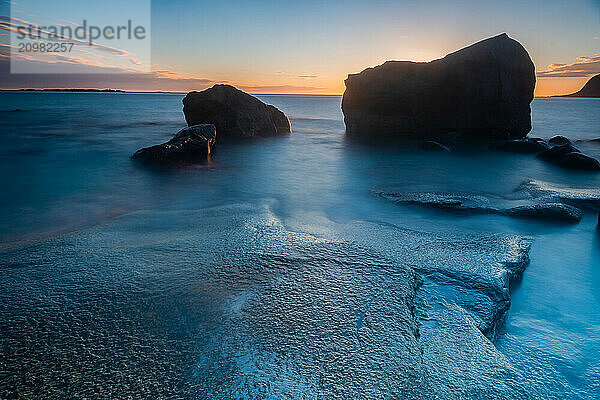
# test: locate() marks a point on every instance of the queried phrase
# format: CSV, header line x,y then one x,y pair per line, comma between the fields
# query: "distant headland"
x,y
62,90
82,90
590,89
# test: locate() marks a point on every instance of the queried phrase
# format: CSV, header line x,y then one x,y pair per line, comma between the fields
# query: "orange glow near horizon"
x,y
545,87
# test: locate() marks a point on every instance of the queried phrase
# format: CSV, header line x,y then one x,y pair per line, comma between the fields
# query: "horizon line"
x,y
113,90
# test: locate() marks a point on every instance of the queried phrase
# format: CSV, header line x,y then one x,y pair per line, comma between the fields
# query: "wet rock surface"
x,y
461,303
482,91
235,114
250,309
194,143
541,207
576,160
588,198
547,211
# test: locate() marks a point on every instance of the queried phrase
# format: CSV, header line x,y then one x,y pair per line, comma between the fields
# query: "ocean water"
x,y
121,279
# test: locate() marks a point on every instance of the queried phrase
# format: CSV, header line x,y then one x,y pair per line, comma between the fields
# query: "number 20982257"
x,y
45,47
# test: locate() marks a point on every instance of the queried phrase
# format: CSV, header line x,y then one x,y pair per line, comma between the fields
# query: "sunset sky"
x,y
311,46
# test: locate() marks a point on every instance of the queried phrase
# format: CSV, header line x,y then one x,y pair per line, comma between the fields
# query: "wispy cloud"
x,y
100,61
100,76
11,24
585,66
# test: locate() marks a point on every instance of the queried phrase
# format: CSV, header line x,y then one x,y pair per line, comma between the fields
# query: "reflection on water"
x,y
65,167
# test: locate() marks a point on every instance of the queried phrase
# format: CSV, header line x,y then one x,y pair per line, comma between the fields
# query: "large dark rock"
x,y
590,89
525,146
482,91
194,143
235,114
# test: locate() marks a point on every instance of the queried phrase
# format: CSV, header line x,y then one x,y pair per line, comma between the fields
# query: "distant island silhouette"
x,y
590,89
65,90
80,90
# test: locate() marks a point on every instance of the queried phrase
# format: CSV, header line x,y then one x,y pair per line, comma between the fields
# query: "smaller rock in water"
x,y
556,153
431,145
568,156
595,140
558,140
525,146
472,204
579,197
547,211
190,144
580,161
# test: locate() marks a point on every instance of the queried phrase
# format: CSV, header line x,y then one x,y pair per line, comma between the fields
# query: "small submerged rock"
x,y
464,203
431,145
595,140
558,140
578,197
525,146
194,143
547,211
472,204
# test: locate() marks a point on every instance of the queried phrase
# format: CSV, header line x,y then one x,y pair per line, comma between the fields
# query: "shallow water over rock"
x,y
252,309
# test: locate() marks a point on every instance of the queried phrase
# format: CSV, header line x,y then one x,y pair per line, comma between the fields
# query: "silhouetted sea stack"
x,y
590,89
235,114
482,91
194,143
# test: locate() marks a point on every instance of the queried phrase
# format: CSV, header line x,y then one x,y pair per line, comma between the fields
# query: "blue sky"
x,y
310,46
